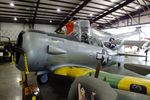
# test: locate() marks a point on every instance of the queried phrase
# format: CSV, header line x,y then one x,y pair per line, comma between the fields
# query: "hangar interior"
x,y
121,27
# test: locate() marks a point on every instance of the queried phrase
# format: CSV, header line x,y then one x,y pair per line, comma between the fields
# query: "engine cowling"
x,y
31,44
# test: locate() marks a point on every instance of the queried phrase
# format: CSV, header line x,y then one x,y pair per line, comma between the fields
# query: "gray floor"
x,y
58,87
9,83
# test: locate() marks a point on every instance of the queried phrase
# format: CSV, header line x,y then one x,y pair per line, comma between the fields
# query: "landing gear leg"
x,y
119,64
146,55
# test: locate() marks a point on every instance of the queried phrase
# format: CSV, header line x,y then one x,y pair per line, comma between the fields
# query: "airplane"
x,y
61,55
47,52
110,42
115,42
147,38
85,33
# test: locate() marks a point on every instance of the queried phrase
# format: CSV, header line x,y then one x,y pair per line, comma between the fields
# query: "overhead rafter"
x,y
115,2
21,20
18,9
84,3
64,2
146,5
35,13
127,17
16,15
130,15
47,4
21,5
147,0
25,9
15,12
100,4
27,1
142,7
112,10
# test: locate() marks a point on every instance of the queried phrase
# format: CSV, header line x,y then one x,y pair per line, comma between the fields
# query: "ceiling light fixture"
x,y
12,4
113,0
50,21
91,14
27,19
15,19
137,7
113,17
58,10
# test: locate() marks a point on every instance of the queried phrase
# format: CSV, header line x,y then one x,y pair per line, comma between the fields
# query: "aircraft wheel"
x,y
43,79
119,64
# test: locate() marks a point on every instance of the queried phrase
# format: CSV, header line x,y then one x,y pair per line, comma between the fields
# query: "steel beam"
x,y
112,10
84,3
35,13
127,17
22,20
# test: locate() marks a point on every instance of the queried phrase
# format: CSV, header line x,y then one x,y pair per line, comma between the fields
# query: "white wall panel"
x,y
46,28
12,30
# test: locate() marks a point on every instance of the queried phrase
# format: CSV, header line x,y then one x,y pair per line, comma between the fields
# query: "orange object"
x,y
69,27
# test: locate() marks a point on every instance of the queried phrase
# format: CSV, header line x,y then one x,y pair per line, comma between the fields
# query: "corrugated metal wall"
x,y
13,29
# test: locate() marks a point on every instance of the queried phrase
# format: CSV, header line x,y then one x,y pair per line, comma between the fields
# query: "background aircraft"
x,y
85,33
115,42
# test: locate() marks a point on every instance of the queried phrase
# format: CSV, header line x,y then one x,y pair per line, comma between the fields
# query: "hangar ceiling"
x,y
59,12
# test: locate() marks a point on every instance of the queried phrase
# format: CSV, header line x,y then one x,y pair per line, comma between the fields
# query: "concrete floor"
x,y
9,83
58,86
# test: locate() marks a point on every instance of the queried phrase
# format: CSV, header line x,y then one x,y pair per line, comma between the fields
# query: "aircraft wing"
x,y
72,71
114,53
138,68
134,55
114,80
126,35
130,42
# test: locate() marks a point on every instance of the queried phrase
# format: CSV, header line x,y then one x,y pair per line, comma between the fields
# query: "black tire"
x,y
119,64
102,89
42,79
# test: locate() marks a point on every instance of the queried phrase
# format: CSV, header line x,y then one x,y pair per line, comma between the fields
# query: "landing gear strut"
x,y
146,54
119,64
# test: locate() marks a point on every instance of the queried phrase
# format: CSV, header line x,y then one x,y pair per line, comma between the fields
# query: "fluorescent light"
x,y
113,18
113,0
12,4
50,21
58,10
137,7
91,15
27,19
15,18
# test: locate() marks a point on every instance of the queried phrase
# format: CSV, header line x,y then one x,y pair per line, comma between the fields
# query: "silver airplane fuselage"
x,y
49,52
